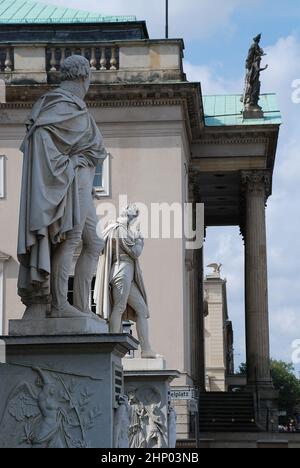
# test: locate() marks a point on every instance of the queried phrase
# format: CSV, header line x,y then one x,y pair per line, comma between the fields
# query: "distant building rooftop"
x,y
227,111
32,12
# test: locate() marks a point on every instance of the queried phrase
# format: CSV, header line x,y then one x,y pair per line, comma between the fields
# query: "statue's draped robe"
x,y
59,128
252,85
118,241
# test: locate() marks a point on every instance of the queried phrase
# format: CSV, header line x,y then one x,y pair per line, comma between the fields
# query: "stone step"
x,y
227,412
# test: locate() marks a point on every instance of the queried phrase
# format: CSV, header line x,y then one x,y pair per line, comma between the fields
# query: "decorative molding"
x,y
104,104
253,183
257,182
239,139
124,95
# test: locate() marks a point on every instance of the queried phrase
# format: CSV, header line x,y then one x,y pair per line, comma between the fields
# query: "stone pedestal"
x,y
152,419
61,391
58,326
253,113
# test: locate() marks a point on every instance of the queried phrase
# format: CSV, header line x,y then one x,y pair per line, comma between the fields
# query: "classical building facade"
x,y
168,144
219,351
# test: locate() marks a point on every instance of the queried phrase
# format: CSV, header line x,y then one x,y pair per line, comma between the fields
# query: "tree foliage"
x,y
285,382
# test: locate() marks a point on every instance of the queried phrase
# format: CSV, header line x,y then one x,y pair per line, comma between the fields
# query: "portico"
x,y
232,168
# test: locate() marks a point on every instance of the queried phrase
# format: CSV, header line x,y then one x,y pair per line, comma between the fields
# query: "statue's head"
x,y
77,68
257,39
130,213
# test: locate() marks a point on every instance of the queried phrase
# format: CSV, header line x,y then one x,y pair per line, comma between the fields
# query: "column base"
x,y
266,406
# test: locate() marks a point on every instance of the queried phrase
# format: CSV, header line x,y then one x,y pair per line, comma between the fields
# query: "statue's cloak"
x,y
59,127
118,233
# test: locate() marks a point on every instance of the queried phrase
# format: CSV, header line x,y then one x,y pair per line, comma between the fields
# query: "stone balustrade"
x,y
123,61
102,58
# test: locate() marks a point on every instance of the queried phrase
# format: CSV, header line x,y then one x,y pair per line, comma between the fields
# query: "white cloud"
x,y
191,18
211,79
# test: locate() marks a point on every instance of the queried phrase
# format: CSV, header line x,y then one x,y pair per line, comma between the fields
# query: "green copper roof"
x,y
31,12
227,110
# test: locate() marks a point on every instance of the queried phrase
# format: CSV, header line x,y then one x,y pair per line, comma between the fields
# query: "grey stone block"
x,y
61,391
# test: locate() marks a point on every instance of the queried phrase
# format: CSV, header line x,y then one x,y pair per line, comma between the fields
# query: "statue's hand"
x,y
79,161
138,236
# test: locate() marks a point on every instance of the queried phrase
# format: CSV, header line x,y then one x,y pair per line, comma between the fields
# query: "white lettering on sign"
x,y
182,394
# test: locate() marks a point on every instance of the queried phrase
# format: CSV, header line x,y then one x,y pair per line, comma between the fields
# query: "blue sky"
x,y
217,36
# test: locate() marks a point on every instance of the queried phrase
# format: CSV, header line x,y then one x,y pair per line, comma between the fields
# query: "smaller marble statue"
x,y
155,438
119,291
137,429
122,423
252,81
172,421
148,419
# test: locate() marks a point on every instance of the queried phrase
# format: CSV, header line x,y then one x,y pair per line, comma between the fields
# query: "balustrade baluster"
x,y
8,61
63,55
93,61
103,61
53,60
113,60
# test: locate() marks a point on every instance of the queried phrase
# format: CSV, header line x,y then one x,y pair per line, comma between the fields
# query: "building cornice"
x,y
242,135
187,95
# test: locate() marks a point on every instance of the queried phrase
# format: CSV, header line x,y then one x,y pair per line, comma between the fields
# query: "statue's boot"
x,y
143,336
91,314
67,311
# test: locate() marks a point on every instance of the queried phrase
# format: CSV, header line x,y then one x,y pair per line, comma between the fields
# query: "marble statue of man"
x,y
61,150
119,286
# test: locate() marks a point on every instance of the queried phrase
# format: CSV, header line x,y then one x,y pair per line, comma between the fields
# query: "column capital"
x,y
257,182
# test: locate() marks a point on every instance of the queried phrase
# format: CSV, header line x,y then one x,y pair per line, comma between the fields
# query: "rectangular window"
x,y
102,178
98,180
92,305
70,290
2,176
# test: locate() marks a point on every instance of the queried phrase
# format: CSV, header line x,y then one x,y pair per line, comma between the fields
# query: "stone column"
x,y
257,188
